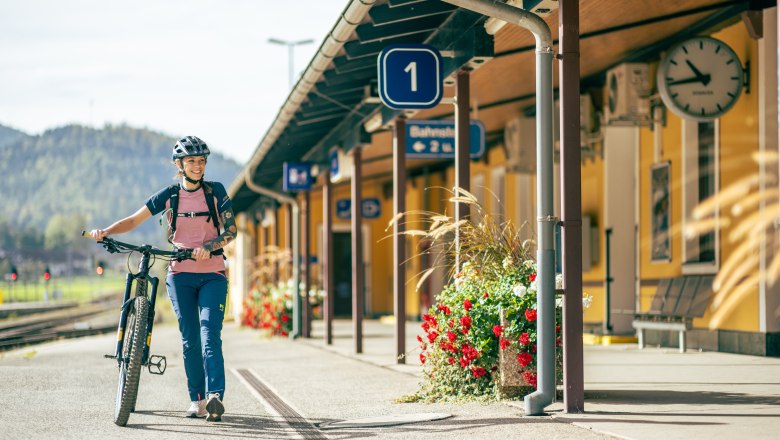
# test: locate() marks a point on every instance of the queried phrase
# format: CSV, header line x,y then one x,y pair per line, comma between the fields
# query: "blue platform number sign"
x,y
435,139
371,208
410,76
297,176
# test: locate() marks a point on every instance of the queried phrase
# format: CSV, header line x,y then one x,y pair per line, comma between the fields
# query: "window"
x,y
700,177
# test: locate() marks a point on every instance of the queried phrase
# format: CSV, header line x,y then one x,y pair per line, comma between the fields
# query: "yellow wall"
x,y
738,133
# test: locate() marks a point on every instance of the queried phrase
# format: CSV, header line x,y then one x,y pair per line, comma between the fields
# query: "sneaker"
x,y
197,409
214,408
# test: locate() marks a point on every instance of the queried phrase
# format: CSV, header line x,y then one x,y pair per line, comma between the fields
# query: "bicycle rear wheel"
x,y
132,353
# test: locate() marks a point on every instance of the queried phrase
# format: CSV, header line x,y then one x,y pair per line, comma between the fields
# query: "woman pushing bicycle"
x,y
195,210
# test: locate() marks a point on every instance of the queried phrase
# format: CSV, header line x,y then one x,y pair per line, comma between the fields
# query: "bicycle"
x,y
136,319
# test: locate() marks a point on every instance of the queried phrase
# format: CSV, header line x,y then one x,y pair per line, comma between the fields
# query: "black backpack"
x,y
173,192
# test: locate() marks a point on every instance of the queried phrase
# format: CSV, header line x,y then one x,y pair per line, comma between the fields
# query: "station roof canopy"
x,y
334,94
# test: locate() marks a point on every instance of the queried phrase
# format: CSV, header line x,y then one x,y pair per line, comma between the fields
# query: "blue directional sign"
x,y
333,156
434,139
297,176
410,76
343,208
372,208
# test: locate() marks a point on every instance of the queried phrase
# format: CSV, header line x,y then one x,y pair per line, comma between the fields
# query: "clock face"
x,y
700,78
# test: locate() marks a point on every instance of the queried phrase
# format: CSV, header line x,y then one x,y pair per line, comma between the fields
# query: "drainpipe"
x,y
296,259
543,396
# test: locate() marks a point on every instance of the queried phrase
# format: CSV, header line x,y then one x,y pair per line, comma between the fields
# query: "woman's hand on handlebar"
x,y
98,234
200,254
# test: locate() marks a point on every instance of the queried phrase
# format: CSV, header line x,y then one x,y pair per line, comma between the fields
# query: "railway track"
x,y
88,319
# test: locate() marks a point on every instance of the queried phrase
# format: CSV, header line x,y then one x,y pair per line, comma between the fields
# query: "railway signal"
x,y
14,274
47,274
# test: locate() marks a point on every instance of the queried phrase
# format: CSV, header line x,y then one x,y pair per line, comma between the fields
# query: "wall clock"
x,y
700,78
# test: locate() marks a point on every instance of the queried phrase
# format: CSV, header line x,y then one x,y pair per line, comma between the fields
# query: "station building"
x,y
679,199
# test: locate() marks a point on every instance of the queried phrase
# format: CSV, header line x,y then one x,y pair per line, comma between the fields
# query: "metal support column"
x,y
327,257
462,149
275,275
305,244
288,233
357,253
571,212
399,240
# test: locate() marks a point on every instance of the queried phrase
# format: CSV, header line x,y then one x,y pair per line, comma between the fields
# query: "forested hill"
x,y
75,176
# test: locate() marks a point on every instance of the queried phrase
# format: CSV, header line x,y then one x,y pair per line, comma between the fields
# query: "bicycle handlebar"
x,y
114,246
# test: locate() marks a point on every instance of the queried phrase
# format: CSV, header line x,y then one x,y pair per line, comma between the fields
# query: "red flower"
x,y
530,378
419,338
443,308
451,360
478,371
558,341
530,315
285,318
485,295
451,323
465,321
464,362
284,333
498,330
524,339
503,343
432,336
532,277
451,336
524,358
422,358
467,305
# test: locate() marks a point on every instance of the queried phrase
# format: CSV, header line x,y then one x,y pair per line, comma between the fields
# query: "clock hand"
x,y
704,79
696,71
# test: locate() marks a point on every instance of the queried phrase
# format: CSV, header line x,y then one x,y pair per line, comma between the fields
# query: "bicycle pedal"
x,y
157,364
109,356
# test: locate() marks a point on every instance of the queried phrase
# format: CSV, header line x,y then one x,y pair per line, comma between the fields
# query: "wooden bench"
x,y
675,303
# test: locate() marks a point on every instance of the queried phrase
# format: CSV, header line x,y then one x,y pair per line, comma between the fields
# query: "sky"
x,y
195,67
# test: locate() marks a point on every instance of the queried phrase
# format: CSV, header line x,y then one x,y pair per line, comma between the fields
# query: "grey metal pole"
x,y
357,252
296,255
571,211
306,240
543,396
462,149
327,254
399,240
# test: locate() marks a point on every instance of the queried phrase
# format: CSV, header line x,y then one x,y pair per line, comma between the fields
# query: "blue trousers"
x,y
199,302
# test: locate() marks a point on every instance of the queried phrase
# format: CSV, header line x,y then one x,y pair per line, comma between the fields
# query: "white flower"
x,y
529,264
519,290
587,300
559,281
507,263
465,265
532,286
559,302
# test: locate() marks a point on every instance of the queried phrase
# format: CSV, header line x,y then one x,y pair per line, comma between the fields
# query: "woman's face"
x,y
194,166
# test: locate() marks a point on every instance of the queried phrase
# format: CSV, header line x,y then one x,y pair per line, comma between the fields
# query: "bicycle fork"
x,y
156,364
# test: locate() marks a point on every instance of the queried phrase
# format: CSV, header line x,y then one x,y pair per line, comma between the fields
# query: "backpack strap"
x,y
173,196
209,193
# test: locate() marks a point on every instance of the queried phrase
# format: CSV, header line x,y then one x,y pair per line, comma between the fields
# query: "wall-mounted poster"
x,y
661,212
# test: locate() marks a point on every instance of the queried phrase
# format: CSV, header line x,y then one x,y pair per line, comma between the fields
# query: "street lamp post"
x,y
290,54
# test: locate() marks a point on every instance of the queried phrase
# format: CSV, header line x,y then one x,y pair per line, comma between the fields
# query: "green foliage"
x,y
101,175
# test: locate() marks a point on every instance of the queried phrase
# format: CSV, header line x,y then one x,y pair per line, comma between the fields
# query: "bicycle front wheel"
x,y
132,353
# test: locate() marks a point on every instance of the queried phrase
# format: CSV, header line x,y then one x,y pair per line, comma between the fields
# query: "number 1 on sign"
x,y
412,67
